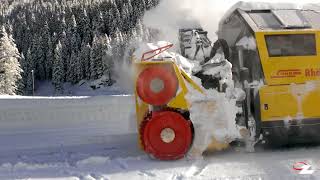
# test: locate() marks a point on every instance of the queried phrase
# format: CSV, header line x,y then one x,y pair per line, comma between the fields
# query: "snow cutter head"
x,y
165,129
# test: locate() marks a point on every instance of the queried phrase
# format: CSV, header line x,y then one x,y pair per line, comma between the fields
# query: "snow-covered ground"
x,y
123,160
36,144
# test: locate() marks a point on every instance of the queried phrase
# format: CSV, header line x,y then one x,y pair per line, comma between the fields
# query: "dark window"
x,y
291,45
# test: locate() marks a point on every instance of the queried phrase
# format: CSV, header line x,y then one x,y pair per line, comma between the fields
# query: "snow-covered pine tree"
x,y
132,19
65,45
46,38
20,82
125,18
139,7
107,58
74,64
10,71
85,60
38,57
98,23
99,61
115,19
49,59
117,45
140,30
84,26
28,66
58,70
96,63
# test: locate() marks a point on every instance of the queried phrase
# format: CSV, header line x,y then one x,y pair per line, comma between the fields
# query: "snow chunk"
x,y
223,71
248,43
95,160
213,116
6,167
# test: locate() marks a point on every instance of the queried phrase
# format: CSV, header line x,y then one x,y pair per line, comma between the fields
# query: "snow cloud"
x,y
170,15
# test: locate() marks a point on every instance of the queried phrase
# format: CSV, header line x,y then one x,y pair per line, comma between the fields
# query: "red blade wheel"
x,y
157,85
167,135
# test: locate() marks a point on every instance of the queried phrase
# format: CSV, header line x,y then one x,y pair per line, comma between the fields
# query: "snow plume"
x,y
124,73
170,15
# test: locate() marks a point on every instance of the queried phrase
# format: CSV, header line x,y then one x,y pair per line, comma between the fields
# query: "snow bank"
x,y
41,122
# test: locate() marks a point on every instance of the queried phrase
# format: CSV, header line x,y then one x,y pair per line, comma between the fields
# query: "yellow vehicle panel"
x,y
288,69
292,88
282,102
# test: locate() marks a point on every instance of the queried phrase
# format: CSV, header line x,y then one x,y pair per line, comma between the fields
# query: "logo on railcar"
x,y
287,73
312,72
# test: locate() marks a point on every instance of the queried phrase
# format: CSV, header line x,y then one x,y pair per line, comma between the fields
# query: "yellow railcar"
x,y
275,54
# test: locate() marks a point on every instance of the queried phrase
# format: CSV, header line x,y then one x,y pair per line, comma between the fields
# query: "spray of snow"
x,y
181,61
248,43
124,73
170,15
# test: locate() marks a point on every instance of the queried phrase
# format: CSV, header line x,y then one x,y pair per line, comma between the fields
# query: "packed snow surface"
x,y
75,145
123,160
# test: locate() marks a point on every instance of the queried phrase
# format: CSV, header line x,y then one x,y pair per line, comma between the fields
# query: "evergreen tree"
x,y
107,58
38,57
117,44
20,82
98,23
28,67
10,71
125,18
85,60
65,53
115,18
47,63
84,26
73,61
49,59
96,63
58,70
